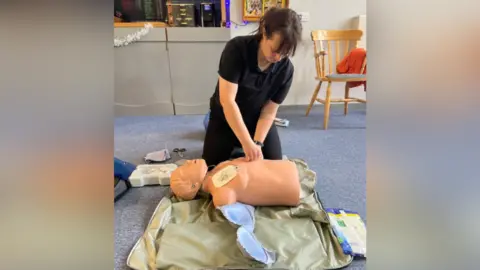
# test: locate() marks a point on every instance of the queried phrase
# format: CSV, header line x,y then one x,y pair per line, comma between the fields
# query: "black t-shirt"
x,y
239,65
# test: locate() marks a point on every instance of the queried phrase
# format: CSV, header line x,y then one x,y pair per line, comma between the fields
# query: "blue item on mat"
x,y
122,169
206,119
243,216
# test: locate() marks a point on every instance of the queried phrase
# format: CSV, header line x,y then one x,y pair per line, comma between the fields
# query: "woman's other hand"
x,y
252,151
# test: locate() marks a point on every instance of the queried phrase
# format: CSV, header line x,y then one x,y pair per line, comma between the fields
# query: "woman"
x,y
255,75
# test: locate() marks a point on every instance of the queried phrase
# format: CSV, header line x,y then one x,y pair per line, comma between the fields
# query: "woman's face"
x,y
270,47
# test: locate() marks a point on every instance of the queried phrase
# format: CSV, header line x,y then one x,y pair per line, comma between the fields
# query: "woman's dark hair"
x,y
285,22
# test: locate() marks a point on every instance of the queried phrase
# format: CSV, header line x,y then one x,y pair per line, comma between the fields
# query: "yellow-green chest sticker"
x,y
224,176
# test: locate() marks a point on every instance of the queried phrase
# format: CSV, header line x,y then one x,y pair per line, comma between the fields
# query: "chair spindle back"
x,y
339,41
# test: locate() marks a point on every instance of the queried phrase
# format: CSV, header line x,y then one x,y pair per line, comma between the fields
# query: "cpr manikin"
x,y
236,187
256,183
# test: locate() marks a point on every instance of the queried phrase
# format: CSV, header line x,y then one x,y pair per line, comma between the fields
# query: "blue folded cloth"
x,y
243,216
122,169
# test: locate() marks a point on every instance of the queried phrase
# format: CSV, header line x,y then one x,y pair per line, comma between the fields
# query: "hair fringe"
x,y
260,31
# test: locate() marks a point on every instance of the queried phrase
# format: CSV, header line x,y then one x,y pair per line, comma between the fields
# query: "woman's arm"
x,y
230,71
267,116
228,92
269,110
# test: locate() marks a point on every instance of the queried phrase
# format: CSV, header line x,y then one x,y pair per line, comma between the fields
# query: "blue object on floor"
x,y
205,120
122,171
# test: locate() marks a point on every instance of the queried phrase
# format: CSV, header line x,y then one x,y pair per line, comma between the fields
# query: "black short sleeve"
x,y
282,92
231,62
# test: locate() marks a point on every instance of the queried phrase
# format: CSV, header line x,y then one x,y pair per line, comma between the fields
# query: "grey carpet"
x,y
337,155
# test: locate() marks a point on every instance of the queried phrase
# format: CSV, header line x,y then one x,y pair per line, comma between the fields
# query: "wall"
x,y
142,75
194,54
324,14
160,76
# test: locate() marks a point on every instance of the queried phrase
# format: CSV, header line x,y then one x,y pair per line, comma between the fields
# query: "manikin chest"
x,y
224,176
256,183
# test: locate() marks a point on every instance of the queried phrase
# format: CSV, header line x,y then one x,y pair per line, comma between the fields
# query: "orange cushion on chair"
x,y
352,64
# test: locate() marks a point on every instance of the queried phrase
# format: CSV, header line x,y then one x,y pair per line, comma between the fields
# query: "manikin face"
x,y
195,169
270,47
187,179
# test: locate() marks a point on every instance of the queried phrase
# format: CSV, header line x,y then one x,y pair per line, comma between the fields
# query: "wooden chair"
x,y
343,41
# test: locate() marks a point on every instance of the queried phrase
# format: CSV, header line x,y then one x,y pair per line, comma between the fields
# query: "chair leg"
x,y
347,95
327,106
314,97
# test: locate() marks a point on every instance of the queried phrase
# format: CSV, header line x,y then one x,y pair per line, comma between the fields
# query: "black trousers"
x,y
220,141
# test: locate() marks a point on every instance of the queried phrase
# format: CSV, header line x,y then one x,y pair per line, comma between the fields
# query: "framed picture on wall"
x,y
274,3
253,10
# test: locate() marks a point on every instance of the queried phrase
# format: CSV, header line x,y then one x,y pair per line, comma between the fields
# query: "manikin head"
x,y
186,180
280,29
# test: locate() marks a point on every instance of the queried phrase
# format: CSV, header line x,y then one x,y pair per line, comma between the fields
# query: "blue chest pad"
x,y
243,217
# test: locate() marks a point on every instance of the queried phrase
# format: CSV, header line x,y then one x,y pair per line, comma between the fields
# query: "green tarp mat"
x,y
195,235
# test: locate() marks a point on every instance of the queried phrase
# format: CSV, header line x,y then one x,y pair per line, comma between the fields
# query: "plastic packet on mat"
x,y
350,230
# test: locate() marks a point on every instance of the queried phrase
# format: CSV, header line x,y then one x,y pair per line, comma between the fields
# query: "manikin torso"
x,y
257,183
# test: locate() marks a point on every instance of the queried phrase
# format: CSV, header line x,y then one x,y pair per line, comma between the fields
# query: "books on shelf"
x,y
140,10
178,13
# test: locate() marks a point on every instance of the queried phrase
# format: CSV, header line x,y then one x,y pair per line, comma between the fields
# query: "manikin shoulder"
x,y
232,173
224,196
